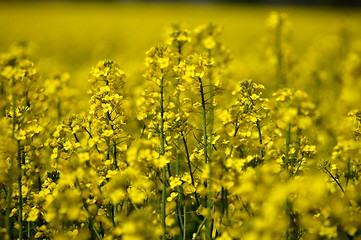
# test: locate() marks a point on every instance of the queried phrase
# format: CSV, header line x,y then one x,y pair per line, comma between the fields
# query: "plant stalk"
x,y
162,152
208,162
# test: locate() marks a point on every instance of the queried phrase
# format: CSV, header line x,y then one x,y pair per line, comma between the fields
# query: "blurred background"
x,y
288,2
72,36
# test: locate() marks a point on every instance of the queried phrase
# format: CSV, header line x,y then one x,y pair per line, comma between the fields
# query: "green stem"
x,y
207,161
110,213
29,228
261,151
335,179
184,222
9,191
162,152
190,168
179,205
60,116
93,229
178,161
8,208
200,228
288,143
338,184
91,226
20,200
210,111
164,202
224,197
2,99
204,115
108,146
298,166
115,162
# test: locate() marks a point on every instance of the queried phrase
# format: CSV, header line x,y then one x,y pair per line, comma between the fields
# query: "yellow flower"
x,y
163,62
209,42
215,139
172,196
68,145
33,214
309,148
186,178
106,107
104,89
174,182
161,161
108,133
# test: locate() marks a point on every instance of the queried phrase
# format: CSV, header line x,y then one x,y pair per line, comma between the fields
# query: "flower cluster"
x,y
185,154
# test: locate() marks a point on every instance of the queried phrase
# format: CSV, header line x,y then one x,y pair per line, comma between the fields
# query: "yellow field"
x,y
125,31
179,121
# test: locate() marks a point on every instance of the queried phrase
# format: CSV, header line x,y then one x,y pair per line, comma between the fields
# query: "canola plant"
x,y
189,152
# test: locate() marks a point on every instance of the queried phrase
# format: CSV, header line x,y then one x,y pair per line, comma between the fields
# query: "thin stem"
x,y
58,106
245,206
9,193
298,168
338,184
110,213
288,142
108,146
2,98
29,228
178,164
20,200
224,201
162,152
210,110
204,115
348,171
190,167
94,230
199,228
261,151
207,161
115,161
178,167
335,179
185,222
180,193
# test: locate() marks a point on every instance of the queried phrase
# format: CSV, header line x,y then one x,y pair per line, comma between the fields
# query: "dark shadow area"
x,y
345,3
